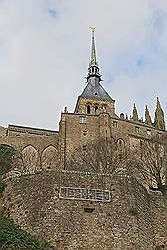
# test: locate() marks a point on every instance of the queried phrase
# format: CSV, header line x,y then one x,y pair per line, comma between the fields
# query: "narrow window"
x,y
88,109
82,119
104,108
115,124
149,132
120,143
96,108
84,147
137,129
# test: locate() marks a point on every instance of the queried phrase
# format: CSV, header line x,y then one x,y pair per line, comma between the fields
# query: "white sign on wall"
x,y
85,194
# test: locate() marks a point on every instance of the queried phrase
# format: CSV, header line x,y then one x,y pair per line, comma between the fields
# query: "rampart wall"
x,y
132,218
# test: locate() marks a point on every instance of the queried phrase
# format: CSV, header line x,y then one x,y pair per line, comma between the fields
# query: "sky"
x,y
45,50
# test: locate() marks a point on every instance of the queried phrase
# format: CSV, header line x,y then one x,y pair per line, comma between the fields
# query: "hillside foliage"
x,y
13,237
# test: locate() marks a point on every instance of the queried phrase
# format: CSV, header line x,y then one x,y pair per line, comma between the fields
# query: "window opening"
x,y
120,143
82,119
96,108
115,124
88,109
137,129
148,132
84,132
84,147
88,209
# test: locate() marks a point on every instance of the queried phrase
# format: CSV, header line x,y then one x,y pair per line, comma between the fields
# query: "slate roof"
x,y
95,90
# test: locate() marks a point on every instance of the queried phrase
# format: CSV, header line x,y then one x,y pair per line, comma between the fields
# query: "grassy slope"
x,y
13,237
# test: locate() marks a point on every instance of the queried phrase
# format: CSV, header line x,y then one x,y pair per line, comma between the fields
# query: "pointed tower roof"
x,y
159,121
148,120
94,89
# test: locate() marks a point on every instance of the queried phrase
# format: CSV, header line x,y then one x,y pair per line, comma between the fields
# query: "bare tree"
x,y
149,163
50,159
24,162
101,156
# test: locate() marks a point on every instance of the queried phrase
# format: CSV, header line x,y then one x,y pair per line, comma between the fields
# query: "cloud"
x,y
44,53
52,13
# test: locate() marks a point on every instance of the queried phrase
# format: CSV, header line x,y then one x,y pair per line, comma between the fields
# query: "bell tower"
x,y
94,100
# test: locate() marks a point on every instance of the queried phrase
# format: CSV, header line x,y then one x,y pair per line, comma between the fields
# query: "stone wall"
x,y
159,218
127,221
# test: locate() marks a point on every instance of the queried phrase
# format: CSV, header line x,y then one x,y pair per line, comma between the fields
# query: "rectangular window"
x,y
115,124
84,147
82,119
137,129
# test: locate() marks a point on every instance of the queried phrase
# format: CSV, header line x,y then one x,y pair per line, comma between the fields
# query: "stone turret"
x,y
159,121
148,120
135,114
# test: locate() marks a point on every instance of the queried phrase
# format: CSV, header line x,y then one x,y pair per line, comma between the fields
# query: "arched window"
x,y
96,109
121,148
88,109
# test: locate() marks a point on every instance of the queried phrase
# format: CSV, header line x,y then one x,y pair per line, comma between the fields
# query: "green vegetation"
x,y
13,237
2,185
6,155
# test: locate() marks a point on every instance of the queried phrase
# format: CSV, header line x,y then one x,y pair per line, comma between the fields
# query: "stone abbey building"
x,y
79,208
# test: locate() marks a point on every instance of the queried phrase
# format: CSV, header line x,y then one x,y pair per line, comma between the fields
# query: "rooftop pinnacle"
x,y
93,69
159,121
93,61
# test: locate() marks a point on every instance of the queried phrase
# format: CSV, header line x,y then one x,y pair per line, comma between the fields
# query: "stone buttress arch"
x,y
49,158
30,158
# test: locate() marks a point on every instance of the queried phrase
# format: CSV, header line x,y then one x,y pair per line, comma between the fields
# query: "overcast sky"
x,y
45,50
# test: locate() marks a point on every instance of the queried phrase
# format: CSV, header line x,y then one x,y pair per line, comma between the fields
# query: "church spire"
x,y
93,69
147,117
93,60
159,121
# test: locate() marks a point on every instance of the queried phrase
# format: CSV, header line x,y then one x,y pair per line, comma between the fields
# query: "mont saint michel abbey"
x,y
59,190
